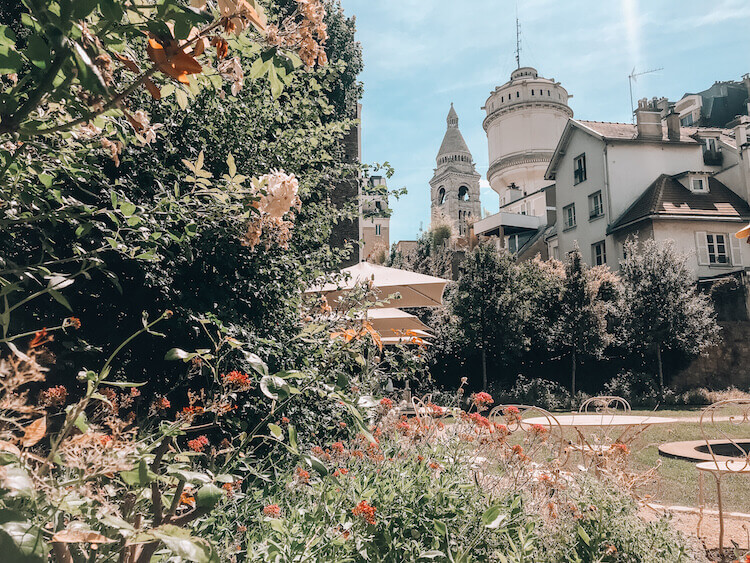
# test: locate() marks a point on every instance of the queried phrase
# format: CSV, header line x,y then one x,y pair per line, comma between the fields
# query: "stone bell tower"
x,y
454,187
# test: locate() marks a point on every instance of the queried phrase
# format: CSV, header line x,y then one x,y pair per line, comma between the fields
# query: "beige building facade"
x,y
375,218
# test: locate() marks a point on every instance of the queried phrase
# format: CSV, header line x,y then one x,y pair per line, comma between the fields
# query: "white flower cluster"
x,y
281,194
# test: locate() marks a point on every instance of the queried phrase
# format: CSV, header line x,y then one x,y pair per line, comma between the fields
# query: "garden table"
x,y
629,426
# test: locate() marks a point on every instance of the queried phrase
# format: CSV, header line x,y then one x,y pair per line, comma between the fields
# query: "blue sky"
x,y
421,55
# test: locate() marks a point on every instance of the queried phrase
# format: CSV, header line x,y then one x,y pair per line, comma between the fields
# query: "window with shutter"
x,y
736,250
701,248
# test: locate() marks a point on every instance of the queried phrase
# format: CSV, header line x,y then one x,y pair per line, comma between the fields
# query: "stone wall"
x,y
724,365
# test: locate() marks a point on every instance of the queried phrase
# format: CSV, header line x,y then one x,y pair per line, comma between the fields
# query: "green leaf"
x,y
440,528
432,554
193,477
7,37
127,208
10,60
186,546
38,52
22,542
256,363
178,354
208,495
46,180
123,383
111,10
17,482
82,8
61,299
140,476
493,517
274,387
584,535
293,437
276,431
182,99
316,464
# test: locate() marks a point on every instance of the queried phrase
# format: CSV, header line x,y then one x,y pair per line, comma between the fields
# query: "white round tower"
x,y
525,118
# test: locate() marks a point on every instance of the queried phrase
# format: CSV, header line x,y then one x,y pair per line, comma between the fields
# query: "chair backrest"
x,y
605,404
545,431
725,427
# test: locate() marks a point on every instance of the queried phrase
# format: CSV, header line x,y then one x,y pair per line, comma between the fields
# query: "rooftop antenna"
x,y
633,77
518,40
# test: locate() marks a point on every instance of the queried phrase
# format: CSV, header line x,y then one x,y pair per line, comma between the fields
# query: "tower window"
x,y
463,193
377,230
549,93
441,196
518,94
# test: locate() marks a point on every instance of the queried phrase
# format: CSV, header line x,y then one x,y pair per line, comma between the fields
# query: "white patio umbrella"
x,y
388,320
416,290
415,339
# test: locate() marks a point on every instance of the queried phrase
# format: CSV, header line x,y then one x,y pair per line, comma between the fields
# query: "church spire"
x,y
452,118
453,143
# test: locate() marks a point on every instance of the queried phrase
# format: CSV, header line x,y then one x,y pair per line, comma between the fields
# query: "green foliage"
x,y
680,319
489,306
581,329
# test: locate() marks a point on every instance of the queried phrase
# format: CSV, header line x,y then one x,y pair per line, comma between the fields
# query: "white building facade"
x,y
655,179
525,118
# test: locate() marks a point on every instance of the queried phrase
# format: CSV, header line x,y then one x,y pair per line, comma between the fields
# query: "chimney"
x,y
648,121
673,125
742,138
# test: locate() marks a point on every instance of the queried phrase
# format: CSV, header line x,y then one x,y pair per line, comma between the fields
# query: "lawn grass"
x,y
678,479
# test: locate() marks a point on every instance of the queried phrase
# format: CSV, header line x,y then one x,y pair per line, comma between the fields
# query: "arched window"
x,y
441,196
463,193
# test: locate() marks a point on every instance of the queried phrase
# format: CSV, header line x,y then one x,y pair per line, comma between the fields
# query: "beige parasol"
x,y
416,290
387,320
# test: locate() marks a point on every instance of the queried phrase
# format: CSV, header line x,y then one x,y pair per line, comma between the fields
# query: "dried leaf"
x,y
9,447
80,536
34,432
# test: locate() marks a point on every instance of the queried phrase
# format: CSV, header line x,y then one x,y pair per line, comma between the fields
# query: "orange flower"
x,y
366,511
303,475
72,322
272,510
172,60
40,338
187,498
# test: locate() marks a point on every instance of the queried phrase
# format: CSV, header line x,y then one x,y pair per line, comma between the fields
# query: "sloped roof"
x,y
666,196
453,143
627,132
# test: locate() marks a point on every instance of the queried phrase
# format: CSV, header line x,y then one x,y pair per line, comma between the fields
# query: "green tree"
x,y
581,327
663,309
488,305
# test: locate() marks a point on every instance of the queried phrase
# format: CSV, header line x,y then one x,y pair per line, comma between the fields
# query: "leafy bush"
x,y
635,387
543,393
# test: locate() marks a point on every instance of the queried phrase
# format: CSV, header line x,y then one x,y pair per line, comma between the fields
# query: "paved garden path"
x,y
685,519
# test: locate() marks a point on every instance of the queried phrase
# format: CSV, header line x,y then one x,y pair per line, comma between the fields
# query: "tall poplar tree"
x,y
581,327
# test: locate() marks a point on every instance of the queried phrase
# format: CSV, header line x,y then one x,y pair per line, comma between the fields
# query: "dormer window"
x,y
710,144
698,184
